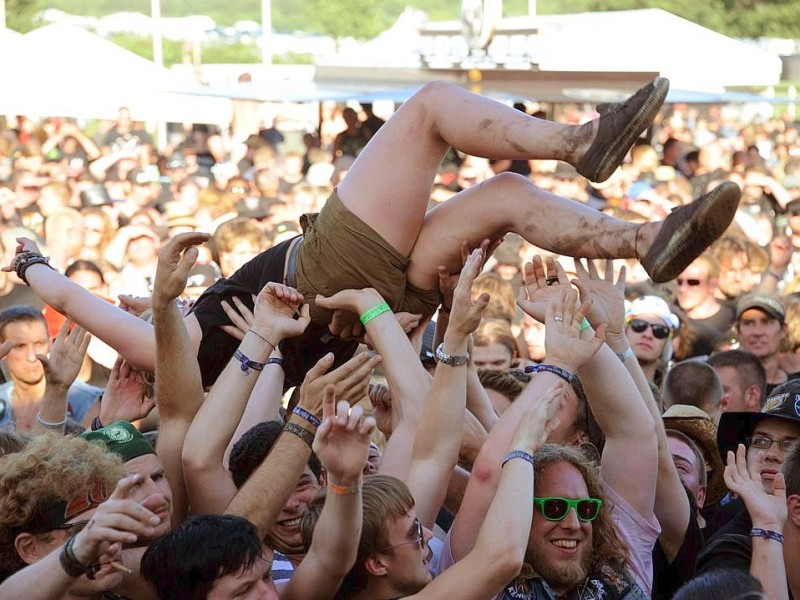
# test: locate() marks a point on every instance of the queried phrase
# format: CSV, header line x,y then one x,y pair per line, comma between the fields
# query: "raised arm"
x,y
566,352
128,335
501,543
178,385
342,445
672,507
210,486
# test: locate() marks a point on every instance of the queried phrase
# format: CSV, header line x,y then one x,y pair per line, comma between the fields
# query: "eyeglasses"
x,y
689,282
556,509
419,538
659,331
762,442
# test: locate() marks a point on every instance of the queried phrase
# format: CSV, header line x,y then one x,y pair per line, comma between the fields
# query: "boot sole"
x,y
619,147
676,246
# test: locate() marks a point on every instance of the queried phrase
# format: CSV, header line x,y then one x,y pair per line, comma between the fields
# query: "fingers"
x,y
232,331
328,402
623,271
182,241
320,368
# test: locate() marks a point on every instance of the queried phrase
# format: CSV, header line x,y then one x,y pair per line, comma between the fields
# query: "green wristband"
x,y
584,324
373,312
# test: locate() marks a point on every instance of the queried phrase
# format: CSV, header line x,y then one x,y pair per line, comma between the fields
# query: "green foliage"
x,y
21,15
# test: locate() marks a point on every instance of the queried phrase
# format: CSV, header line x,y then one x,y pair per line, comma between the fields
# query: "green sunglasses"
x,y
556,509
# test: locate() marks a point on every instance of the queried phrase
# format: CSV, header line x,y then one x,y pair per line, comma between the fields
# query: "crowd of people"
x,y
467,352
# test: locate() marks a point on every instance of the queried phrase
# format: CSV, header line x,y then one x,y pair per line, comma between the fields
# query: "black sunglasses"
x,y
689,282
660,332
557,509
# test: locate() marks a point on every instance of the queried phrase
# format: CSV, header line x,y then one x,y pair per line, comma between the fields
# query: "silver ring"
x,y
558,319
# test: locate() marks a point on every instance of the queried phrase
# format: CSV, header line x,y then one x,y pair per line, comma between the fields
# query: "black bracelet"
x,y
71,565
27,259
304,414
302,433
247,364
275,360
563,373
766,534
96,424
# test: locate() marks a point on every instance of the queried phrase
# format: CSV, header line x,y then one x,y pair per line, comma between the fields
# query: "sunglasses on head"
x,y
556,509
659,331
689,282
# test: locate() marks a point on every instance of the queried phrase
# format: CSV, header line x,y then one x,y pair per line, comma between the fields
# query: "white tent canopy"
x,y
64,70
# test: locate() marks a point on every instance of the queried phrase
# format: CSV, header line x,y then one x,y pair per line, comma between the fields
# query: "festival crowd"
x,y
387,367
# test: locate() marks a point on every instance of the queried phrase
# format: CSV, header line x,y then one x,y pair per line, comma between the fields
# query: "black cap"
x,y
734,427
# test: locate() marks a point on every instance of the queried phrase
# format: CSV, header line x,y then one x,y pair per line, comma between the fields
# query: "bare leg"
x,y
389,184
510,203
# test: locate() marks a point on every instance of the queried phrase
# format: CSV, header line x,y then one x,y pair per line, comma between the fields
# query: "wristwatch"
x,y
454,360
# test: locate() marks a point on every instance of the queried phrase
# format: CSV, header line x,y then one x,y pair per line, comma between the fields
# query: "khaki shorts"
x,y
342,252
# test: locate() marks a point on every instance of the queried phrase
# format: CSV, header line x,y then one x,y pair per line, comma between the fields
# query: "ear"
x,y
793,504
752,398
724,402
700,500
27,548
375,566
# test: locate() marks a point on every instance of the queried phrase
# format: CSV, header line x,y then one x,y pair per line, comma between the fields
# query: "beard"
x,y
561,574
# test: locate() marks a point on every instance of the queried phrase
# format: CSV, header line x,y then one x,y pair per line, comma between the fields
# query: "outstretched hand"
x,y
466,313
350,381
563,344
175,260
23,245
342,440
538,420
608,298
64,363
125,397
448,281
544,281
766,511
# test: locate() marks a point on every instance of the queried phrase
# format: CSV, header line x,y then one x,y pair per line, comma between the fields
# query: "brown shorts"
x,y
342,252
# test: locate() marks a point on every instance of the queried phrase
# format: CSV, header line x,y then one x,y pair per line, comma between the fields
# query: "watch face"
x,y
479,19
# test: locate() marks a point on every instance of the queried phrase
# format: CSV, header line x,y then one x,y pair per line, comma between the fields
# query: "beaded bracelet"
x,y
247,364
766,534
563,373
303,434
517,454
27,259
373,312
304,414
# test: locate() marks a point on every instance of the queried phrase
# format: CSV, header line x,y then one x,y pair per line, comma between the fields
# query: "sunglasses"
x,y
419,538
556,509
660,332
689,282
72,528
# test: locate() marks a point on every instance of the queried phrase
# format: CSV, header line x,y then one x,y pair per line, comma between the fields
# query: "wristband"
x,y
373,312
253,331
96,424
275,360
303,434
777,276
27,259
766,534
247,364
584,324
517,454
563,373
343,491
48,424
304,414
623,356
71,565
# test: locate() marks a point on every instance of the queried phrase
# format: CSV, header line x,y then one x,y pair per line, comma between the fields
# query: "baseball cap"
x,y
767,304
782,404
121,438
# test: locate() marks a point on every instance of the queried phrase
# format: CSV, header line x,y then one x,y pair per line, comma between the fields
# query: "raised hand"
x,y
125,397
543,282
448,281
350,381
766,511
562,341
347,306
241,317
175,259
538,420
342,440
23,245
66,357
608,298
380,397
275,311
466,313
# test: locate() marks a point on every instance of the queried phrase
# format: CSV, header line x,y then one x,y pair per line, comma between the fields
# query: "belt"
x,y
289,271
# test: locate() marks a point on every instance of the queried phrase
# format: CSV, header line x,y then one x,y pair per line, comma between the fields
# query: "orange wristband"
x,y
343,491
